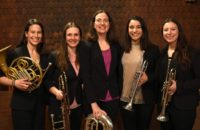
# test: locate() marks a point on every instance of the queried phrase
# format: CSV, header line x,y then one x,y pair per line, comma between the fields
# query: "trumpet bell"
x,y
129,107
162,118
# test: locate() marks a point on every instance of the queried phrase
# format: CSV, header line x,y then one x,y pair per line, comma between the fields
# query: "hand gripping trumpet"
x,y
23,67
138,75
64,123
166,97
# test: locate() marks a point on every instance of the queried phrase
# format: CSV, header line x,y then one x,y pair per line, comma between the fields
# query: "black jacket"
x,y
74,82
23,100
95,78
187,80
151,55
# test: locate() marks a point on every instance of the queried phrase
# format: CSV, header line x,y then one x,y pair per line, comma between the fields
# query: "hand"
x,y
22,84
143,79
97,111
59,95
172,88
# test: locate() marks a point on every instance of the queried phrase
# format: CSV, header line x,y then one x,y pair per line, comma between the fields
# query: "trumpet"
x,y
137,77
93,124
64,123
166,97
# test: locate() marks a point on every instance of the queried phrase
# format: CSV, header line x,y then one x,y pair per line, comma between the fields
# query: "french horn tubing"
x,y
23,67
93,123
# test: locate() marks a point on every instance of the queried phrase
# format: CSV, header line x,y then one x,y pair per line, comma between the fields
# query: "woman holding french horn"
x,y
178,78
139,62
64,82
25,75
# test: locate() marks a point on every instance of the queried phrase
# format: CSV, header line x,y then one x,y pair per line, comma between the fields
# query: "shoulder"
x,y
193,52
153,49
153,46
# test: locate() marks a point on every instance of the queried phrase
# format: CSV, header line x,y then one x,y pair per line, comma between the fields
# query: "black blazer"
x,y
74,82
151,55
23,100
95,78
187,81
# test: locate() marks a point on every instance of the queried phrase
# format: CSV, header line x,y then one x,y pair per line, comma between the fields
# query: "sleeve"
x,y
51,73
85,63
153,58
191,83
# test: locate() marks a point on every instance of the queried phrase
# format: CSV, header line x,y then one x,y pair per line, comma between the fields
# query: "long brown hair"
x,y
182,48
144,40
62,53
92,34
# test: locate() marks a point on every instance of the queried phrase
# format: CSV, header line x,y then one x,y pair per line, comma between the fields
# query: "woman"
x,y
66,60
181,110
138,49
104,65
28,107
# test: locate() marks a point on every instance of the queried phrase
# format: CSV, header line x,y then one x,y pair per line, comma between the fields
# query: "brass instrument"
x,y
103,121
137,77
23,67
166,97
64,123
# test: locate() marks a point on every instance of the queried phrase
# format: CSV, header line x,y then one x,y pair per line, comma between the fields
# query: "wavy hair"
x,y
62,53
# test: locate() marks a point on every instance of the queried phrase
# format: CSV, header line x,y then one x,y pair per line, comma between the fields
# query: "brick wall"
x,y
55,13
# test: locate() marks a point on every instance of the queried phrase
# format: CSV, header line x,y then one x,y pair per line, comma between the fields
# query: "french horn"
x,y
103,121
23,67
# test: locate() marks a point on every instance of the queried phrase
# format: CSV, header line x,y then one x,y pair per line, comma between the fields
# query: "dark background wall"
x,y
55,13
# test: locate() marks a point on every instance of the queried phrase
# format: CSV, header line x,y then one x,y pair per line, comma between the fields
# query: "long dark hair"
x,y
144,40
62,53
92,34
182,48
26,29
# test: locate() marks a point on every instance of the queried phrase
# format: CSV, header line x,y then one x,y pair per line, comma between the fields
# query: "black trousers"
x,y
112,108
29,119
75,117
137,119
179,119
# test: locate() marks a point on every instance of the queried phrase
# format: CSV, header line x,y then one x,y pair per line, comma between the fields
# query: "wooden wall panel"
x,y
55,13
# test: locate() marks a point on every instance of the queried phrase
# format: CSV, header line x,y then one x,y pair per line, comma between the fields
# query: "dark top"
x,y
20,99
187,80
74,82
151,55
95,77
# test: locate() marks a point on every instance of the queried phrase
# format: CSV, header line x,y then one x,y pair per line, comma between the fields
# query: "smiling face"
x,y
101,23
170,32
72,37
135,30
34,35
